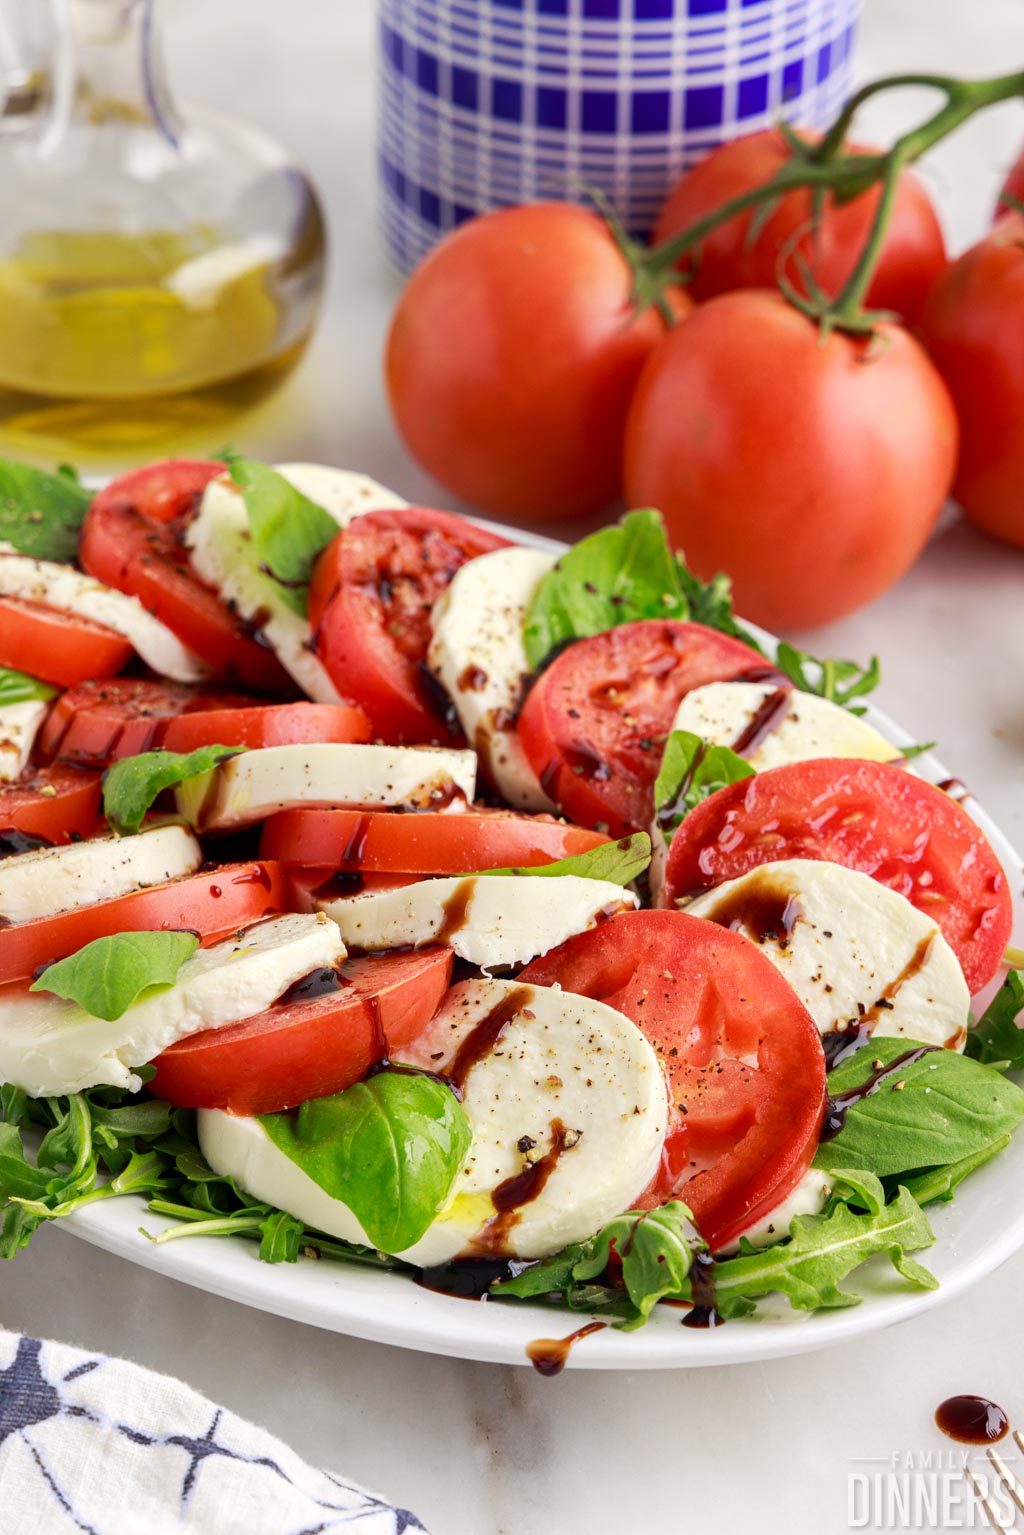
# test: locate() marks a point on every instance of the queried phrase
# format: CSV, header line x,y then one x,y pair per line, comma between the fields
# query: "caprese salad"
x,y
372,887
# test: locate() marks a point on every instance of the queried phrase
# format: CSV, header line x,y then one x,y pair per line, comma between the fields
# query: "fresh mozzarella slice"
x,y
477,652
53,879
246,788
49,1047
808,1198
221,553
856,953
769,725
568,1086
18,726
494,919
60,586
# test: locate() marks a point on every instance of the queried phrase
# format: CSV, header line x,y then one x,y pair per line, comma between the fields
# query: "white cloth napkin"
x,y
94,1444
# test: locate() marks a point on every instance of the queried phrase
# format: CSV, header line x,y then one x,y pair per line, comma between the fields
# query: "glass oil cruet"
x,y
159,276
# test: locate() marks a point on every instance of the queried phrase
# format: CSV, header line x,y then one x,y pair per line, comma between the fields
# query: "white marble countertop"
x,y
482,1450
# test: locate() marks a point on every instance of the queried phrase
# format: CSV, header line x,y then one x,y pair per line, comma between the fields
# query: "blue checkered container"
x,y
489,102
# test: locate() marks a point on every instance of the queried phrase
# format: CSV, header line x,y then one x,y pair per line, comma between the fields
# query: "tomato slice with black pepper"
x,y
321,1037
870,816
55,804
58,646
132,540
370,602
595,721
742,1056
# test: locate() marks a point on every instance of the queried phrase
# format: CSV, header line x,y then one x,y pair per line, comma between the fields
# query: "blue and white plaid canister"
x,y
489,102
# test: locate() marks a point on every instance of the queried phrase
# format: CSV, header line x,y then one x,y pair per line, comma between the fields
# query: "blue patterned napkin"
x,y
95,1444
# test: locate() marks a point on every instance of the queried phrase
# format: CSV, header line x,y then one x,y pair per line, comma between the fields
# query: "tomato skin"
x,y
57,646
370,601
267,725
511,359
595,721
215,905
384,843
972,329
131,540
97,723
1013,190
708,1006
811,470
913,255
55,803
870,816
301,1050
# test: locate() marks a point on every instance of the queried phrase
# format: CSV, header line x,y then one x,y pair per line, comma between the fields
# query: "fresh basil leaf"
x,y
838,681
656,1250
131,786
996,1037
935,1110
938,1183
390,1148
691,769
20,688
288,530
617,862
109,974
41,514
822,1250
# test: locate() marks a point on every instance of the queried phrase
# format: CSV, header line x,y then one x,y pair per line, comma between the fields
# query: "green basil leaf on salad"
x,y
934,1111
42,514
939,1183
839,681
132,785
289,531
617,862
996,1038
111,973
20,688
691,769
390,1148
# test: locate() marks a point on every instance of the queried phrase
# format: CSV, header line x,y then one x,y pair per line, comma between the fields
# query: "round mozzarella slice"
x,y
19,724
477,652
493,919
568,1087
856,953
60,586
770,725
255,784
49,1047
221,553
52,879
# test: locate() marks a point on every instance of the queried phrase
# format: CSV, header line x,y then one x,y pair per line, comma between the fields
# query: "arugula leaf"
x,y
280,1238
917,750
288,530
710,603
131,785
617,862
838,681
948,1108
41,514
938,1183
996,1039
691,769
111,973
390,1148
20,688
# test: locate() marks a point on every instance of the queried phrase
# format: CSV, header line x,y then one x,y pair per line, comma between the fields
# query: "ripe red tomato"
x,y
1013,190
55,803
58,646
870,816
370,602
974,329
744,1062
595,721
810,469
913,256
512,358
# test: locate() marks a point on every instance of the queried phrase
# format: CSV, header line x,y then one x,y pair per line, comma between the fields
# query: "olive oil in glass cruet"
x,y
159,275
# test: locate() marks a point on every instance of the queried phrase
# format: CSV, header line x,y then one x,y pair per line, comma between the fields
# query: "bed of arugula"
x,y
899,1150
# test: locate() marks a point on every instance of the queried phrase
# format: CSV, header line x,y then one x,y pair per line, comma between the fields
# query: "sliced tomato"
x,y
97,723
308,886
302,1049
132,540
211,904
869,816
386,843
742,1056
594,723
370,600
56,804
267,725
56,645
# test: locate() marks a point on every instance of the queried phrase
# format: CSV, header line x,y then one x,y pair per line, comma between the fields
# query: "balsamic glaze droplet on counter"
x,y
549,1356
702,1288
835,1113
972,1419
